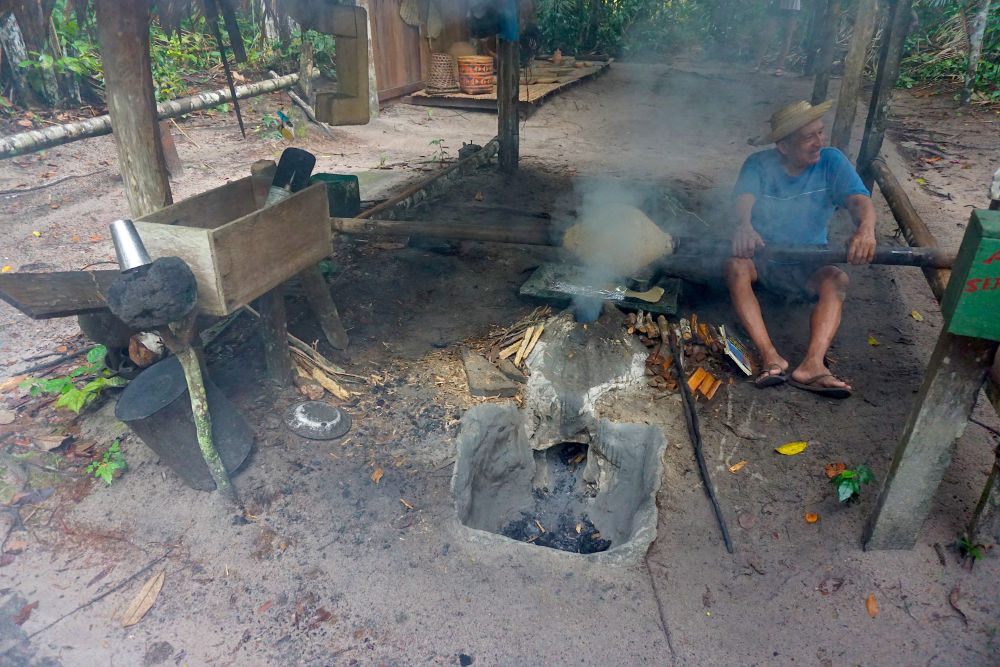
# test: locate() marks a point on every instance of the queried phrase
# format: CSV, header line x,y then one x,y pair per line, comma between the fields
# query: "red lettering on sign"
x,y
991,286
995,257
972,285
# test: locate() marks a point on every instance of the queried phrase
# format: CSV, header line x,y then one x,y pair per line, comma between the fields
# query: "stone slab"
x,y
484,379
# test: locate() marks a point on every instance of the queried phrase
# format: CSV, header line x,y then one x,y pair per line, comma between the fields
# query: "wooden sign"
x,y
971,305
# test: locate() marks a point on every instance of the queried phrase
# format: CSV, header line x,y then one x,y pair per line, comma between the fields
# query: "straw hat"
x,y
793,117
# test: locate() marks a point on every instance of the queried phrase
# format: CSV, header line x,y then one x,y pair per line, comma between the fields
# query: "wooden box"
x,y
971,304
237,250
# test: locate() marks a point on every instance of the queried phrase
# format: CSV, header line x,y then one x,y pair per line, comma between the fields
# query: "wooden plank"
x,y
507,103
194,246
850,85
396,47
258,252
210,209
318,295
399,91
57,294
938,416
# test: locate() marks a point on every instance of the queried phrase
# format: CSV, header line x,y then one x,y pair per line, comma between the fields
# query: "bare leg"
x,y
740,276
831,285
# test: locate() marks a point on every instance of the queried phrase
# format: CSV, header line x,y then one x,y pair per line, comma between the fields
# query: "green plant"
x,y
75,397
269,127
969,550
849,482
112,461
381,162
438,144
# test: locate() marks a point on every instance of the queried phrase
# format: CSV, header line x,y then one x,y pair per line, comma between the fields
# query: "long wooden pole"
x,y
915,231
885,81
27,142
854,65
123,36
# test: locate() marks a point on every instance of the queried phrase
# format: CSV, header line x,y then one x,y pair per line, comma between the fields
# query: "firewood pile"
x,y
703,347
516,342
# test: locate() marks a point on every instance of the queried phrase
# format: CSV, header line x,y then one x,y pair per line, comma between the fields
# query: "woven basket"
x,y
442,77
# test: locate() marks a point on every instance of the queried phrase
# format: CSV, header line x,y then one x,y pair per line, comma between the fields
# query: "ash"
x,y
559,506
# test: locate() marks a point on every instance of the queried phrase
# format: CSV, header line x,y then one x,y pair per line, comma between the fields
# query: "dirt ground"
x,y
326,566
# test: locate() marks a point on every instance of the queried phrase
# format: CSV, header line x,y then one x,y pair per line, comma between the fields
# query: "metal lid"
x,y
317,420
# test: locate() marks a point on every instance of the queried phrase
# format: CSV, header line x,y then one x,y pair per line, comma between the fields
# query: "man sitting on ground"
x,y
786,195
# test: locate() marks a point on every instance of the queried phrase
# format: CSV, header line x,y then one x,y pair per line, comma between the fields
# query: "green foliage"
x,y
71,395
441,151
112,461
937,50
849,482
969,550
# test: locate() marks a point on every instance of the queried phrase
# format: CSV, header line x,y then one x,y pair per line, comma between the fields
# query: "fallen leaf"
x,y
921,181
872,341
11,383
95,239
478,196
75,239
917,316
737,466
377,475
7,269
55,206
746,520
791,448
61,349
36,234
811,518
872,606
24,123
830,585
142,602
264,607
953,601
20,617
834,469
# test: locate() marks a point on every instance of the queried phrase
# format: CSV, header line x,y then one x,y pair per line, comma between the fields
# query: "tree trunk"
x,y
596,12
508,77
854,65
814,34
123,37
978,28
827,47
12,42
33,18
26,142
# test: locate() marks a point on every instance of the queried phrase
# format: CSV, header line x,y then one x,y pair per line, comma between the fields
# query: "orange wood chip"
x,y
696,378
715,387
706,383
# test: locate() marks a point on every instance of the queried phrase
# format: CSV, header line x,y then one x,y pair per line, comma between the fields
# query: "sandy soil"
x,y
403,586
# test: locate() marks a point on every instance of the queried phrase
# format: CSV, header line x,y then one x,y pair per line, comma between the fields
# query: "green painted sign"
x,y
971,305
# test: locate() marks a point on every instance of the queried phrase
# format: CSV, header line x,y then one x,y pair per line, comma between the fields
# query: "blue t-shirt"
x,y
796,209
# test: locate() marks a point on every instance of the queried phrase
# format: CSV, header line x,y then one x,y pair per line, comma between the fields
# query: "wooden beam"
x,y
854,64
885,81
824,60
41,296
915,231
508,80
318,294
123,36
937,418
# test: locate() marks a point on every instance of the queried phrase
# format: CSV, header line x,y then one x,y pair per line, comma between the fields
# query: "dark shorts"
x,y
787,279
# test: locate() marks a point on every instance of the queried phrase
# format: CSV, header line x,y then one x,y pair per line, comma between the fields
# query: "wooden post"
x,y
854,65
985,523
938,416
814,35
824,60
123,36
318,295
508,81
275,329
373,105
885,81
174,166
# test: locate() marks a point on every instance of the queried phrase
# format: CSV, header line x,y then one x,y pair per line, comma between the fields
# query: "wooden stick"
x,y
534,339
186,135
524,345
507,351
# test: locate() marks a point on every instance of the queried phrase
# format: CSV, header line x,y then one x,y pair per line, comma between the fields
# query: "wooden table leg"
x,y
318,294
272,319
939,414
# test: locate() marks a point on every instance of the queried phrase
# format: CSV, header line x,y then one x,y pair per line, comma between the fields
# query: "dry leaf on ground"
x,y
377,475
830,585
142,602
812,518
737,466
791,448
917,316
872,606
834,469
746,521
872,341
20,617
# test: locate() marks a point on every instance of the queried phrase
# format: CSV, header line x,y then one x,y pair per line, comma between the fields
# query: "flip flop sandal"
x,y
769,379
828,392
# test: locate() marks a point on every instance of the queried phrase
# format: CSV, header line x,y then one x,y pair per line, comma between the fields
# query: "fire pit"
x,y
594,497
